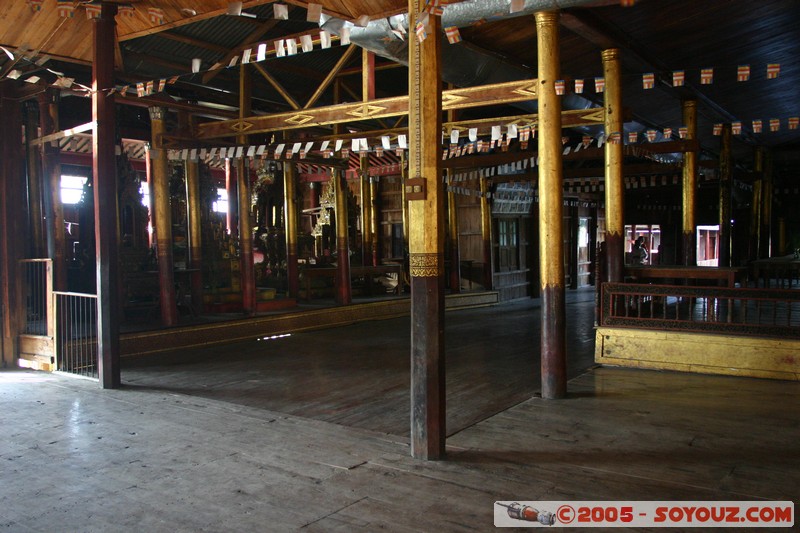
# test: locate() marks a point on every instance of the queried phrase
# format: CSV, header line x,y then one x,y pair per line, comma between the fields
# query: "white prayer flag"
x,y
354,144
279,150
338,145
246,56
308,146
363,145
260,150
473,134
239,150
261,55
386,142
196,63
512,131
402,141
324,145
306,43
324,39
454,137
291,46
344,36
496,133
314,12
281,11
280,50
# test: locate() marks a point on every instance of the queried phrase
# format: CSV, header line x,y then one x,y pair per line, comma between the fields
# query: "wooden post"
x,y
753,251
34,182
104,168
725,178
233,201
403,200
367,75
551,245
366,212
426,241
344,294
374,220
291,220
163,218
11,216
614,179
689,189
151,213
765,232
486,234
246,260
452,228
192,170
53,208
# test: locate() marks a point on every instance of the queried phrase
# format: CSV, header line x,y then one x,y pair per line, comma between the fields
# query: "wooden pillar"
x,y
151,214
551,244
572,242
291,220
233,203
486,234
426,241
753,251
11,217
765,233
366,212
725,179
192,171
781,236
51,172
689,189
36,241
374,220
104,169
614,179
245,202
455,257
367,75
163,219
403,200
344,295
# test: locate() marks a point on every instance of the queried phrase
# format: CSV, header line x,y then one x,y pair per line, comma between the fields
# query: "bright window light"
x,y
221,205
72,189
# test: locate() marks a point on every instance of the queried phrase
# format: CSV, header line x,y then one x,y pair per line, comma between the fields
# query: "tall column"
x,y
725,178
366,212
551,245
291,219
104,169
233,201
344,294
403,200
35,218
192,171
689,189
151,218
614,179
11,216
765,233
452,228
163,217
53,208
426,242
367,75
374,220
486,234
246,258
754,251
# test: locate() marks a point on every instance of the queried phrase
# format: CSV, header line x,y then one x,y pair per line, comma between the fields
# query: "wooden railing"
x,y
752,312
76,333
35,291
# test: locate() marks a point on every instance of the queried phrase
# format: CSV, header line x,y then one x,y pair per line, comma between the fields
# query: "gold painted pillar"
x,y
426,241
366,212
614,178
486,234
246,259
163,218
689,189
104,171
452,228
192,171
765,233
403,200
725,178
551,201
374,220
344,293
291,221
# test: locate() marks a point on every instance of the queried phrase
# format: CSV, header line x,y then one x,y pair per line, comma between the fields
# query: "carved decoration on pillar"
x,y
425,265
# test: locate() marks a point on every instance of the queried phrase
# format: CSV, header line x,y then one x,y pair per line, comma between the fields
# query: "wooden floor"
x,y
290,435
358,375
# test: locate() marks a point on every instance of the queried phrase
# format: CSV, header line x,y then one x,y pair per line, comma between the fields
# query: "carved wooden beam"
x,y
462,98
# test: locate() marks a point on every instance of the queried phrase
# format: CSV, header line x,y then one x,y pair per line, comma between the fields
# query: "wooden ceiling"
x,y
654,36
